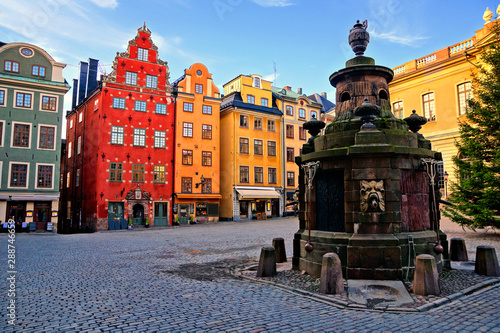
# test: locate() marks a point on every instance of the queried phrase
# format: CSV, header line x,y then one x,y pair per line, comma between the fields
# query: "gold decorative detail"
x,y
498,10
372,195
488,14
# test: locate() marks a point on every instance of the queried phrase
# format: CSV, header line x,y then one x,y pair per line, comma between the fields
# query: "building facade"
x,y
251,158
120,143
437,87
297,109
197,147
32,90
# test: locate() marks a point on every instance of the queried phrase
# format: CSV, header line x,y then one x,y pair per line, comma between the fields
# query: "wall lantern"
x,y
29,213
54,213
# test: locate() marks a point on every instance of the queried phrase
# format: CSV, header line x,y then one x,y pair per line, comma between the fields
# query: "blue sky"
x,y
307,40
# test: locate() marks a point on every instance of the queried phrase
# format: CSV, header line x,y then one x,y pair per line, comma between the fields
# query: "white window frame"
x,y
41,102
458,96
14,100
4,97
10,175
12,134
40,134
2,138
36,176
423,107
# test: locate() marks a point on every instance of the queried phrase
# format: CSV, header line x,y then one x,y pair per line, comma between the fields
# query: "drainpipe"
x,y
283,163
174,95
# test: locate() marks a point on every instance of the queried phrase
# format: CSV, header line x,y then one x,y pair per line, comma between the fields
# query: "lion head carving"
x,y
372,195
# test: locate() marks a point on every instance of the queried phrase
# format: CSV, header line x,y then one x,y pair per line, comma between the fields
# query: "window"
x,y
289,131
117,135
68,181
160,139
206,158
131,78
314,114
302,133
198,88
140,106
429,107
243,121
161,108
19,175
257,123
118,103
159,174
44,176
23,100
440,172
1,133
244,174
137,173
142,54
80,117
302,113
2,97
151,81
71,123
271,175
79,145
187,130
21,136
290,154
206,132
290,178
397,109
464,94
70,149
187,157
49,103
258,148
243,145
47,135
264,102
258,175
271,126
11,66
206,186
139,137
115,172
188,107
271,148
77,176
186,184
256,82
96,105
251,99
37,70
207,109
289,110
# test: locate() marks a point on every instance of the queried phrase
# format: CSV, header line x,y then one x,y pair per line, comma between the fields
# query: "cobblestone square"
x,y
169,280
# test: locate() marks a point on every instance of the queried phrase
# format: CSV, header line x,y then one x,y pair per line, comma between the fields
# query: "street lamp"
x,y
446,184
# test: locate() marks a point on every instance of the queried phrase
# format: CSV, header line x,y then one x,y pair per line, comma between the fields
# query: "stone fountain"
x,y
371,196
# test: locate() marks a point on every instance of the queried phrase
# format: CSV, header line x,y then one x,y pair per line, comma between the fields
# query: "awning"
x,y
257,194
31,197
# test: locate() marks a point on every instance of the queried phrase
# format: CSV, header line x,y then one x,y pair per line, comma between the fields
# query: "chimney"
x,y
299,91
91,76
84,68
287,88
323,94
75,94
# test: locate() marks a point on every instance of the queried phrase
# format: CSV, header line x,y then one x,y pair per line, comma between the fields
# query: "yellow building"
x,y
297,109
437,86
251,159
197,147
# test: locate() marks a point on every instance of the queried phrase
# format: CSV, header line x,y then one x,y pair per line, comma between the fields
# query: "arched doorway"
x,y
138,214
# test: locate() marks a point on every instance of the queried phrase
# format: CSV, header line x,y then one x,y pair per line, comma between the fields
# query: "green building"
x,y
32,92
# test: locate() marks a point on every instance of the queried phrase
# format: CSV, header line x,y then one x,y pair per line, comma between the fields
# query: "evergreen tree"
x,y
476,193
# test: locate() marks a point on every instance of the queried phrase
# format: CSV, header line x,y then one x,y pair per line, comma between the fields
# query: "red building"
x,y
118,165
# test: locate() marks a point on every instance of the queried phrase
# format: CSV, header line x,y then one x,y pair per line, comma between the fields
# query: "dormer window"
x,y
38,71
142,54
256,82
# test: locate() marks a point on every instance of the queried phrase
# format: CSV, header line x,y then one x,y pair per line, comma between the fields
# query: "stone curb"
x,y
354,306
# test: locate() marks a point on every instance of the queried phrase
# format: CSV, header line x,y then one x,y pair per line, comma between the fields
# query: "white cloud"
x,y
106,3
401,39
273,3
271,77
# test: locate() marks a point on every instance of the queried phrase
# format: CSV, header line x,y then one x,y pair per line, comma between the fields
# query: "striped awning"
x,y
257,194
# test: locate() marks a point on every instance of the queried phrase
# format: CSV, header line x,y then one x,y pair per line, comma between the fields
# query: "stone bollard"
x,y
446,254
331,281
426,280
486,261
267,262
279,247
458,251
